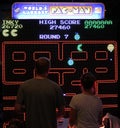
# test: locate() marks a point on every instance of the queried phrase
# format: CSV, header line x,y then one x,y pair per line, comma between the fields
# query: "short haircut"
x,y
87,80
42,65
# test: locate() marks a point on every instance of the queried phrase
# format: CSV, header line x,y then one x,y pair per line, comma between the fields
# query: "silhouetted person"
x,y
86,108
40,96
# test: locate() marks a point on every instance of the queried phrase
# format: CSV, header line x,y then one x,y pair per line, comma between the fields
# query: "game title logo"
x,y
38,10
72,10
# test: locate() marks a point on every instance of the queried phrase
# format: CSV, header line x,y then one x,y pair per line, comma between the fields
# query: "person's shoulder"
x,y
98,98
26,82
29,80
77,96
52,82
55,85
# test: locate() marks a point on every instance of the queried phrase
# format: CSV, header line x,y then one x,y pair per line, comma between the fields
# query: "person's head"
x,y
42,66
87,81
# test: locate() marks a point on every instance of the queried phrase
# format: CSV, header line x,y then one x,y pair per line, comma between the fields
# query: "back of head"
x,y
87,80
42,65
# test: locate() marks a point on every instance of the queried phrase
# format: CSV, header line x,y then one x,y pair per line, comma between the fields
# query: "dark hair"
x,y
42,65
87,80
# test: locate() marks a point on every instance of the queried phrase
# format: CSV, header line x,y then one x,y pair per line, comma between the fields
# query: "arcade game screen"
x,y
74,47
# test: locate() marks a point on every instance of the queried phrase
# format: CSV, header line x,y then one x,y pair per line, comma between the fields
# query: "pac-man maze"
x,y
75,48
